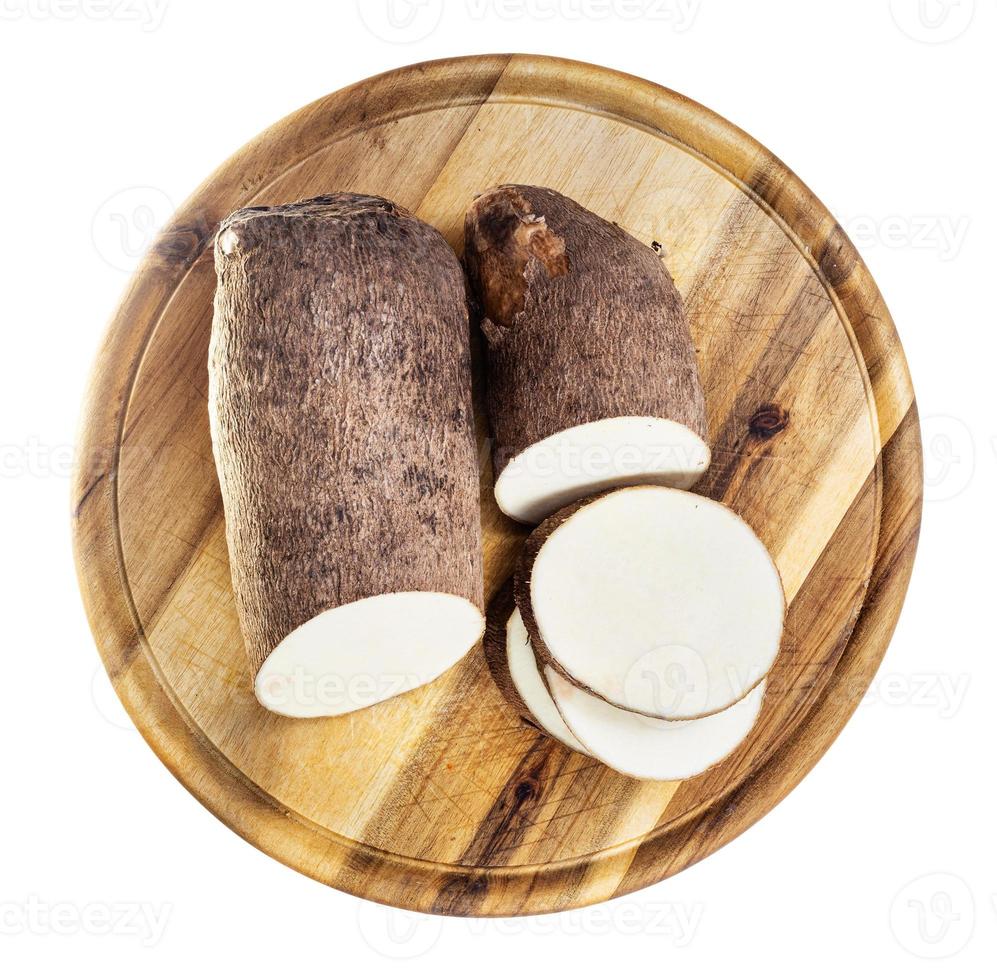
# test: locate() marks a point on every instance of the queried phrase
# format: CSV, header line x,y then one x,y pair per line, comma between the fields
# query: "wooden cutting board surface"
x,y
441,799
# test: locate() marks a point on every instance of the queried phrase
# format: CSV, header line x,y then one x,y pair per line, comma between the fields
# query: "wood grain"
x,y
442,799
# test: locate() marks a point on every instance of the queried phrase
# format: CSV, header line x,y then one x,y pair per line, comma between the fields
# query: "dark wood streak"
x,y
794,684
837,258
78,509
733,813
524,802
506,824
525,793
180,246
731,439
766,182
768,421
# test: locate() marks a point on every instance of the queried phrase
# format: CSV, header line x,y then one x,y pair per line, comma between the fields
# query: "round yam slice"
x,y
596,456
592,374
514,668
649,748
656,600
366,651
342,428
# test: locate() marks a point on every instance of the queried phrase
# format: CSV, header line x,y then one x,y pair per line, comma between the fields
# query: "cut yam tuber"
x,y
592,375
341,420
514,668
656,600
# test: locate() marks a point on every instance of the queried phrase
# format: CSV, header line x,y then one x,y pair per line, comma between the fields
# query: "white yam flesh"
x,y
530,686
658,601
596,456
648,748
364,652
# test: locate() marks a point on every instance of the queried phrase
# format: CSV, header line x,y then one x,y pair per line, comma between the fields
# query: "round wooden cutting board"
x,y
441,800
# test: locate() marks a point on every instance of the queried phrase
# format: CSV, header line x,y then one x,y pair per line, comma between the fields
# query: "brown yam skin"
x,y
582,321
340,399
499,611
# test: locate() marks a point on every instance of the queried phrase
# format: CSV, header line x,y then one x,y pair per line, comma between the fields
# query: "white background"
x,y
883,860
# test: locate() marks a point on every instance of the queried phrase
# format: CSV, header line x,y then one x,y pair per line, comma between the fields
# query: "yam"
x,y
592,374
342,428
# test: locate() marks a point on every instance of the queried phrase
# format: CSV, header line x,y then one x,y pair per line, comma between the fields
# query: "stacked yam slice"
x,y
643,618
639,630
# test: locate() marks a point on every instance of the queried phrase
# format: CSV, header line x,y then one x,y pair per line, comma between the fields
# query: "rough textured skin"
x,y
582,321
499,611
340,400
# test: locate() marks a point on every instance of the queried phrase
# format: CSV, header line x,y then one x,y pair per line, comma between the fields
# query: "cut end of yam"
x,y
359,654
587,459
655,600
648,748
